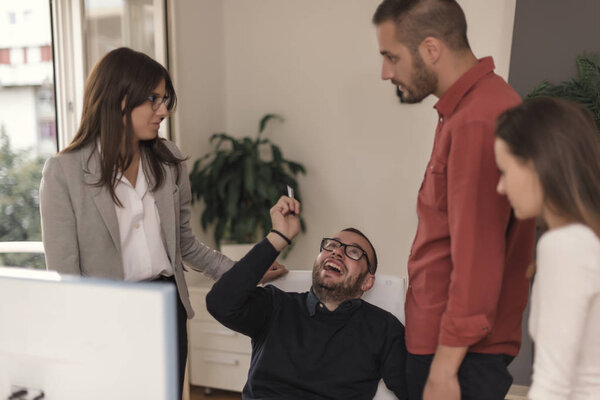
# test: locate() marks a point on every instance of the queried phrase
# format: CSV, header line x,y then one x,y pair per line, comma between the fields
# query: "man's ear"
x,y
368,282
430,50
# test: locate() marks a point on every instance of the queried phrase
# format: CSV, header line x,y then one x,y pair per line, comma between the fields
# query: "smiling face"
x,y
145,120
337,277
519,181
405,70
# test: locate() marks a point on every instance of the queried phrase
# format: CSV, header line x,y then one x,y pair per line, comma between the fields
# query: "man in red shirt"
x,y
467,267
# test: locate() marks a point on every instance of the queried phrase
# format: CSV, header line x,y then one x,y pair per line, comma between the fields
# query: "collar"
x,y
313,303
142,181
448,102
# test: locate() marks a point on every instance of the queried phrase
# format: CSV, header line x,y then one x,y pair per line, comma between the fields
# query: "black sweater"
x,y
300,350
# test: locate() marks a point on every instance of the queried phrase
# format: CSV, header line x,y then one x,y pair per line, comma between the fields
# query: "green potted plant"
x,y
239,180
584,89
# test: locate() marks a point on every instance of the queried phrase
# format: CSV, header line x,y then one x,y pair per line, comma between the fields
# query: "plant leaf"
x,y
265,120
238,187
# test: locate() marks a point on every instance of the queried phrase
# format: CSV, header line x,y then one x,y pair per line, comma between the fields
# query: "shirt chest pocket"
x,y
434,192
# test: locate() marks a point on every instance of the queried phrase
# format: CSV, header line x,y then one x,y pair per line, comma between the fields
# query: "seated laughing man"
x,y
323,344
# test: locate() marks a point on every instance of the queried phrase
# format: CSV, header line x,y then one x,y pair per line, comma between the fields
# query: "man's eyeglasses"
x,y
350,250
157,101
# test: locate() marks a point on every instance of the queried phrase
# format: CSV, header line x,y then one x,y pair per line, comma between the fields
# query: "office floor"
x,y
197,393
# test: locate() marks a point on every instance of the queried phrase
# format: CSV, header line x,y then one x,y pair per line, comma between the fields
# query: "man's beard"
x,y
339,291
423,83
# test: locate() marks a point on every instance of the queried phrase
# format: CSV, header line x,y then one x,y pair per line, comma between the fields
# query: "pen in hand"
x,y
290,193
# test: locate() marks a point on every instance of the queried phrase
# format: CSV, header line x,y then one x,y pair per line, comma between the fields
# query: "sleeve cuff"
x,y
463,331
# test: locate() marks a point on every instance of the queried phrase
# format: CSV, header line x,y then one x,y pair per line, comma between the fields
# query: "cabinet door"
x,y
213,336
219,357
219,369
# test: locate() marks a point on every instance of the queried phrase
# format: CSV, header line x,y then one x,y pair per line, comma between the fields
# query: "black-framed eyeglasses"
x,y
352,251
157,101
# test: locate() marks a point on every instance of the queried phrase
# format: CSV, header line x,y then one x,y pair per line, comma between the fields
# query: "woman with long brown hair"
x,y
116,202
548,153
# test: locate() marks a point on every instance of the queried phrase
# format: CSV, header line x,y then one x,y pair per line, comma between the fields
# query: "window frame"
x,y
68,31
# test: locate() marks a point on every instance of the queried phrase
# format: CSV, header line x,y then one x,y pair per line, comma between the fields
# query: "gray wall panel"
x,y
547,36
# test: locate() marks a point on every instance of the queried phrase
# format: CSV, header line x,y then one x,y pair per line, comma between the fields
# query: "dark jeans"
x,y
182,339
481,376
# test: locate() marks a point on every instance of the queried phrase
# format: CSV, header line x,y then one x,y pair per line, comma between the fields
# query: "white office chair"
x,y
388,292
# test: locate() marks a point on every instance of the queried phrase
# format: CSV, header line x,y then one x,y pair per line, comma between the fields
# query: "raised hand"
x,y
285,219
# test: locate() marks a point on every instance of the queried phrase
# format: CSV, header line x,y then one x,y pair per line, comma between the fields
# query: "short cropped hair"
x,y
417,19
374,263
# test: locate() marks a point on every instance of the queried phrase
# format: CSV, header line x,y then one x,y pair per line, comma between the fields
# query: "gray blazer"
x,y
80,229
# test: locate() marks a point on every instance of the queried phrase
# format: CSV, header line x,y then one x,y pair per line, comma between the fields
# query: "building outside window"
x,y
29,121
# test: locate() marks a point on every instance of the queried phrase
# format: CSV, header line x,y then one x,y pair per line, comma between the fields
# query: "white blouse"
x,y
565,315
143,249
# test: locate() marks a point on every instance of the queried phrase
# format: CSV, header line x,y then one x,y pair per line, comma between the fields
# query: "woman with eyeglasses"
x,y
115,203
548,153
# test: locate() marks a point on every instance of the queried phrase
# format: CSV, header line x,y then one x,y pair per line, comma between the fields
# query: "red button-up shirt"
x,y
468,261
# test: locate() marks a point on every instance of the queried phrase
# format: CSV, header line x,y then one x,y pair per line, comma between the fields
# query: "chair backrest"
x,y
388,293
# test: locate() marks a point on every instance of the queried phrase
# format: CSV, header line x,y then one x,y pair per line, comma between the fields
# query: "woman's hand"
x,y
285,219
275,271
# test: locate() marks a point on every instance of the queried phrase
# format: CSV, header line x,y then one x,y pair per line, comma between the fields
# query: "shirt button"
x,y
137,226
485,328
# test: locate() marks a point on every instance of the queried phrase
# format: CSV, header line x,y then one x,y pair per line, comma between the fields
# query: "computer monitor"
x,y
82,338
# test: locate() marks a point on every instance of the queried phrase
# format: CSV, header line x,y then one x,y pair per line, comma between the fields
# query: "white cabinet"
x,y
219,357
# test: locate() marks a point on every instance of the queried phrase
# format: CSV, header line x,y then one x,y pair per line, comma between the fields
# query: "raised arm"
x,y
234,300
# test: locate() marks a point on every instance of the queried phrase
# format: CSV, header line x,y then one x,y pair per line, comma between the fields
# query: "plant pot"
x,y
236,251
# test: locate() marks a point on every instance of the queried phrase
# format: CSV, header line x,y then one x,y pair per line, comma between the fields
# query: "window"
x,y
24,144
115,23
138,24
31,129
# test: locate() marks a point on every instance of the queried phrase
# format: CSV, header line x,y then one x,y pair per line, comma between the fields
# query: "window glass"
x,y
28,129
115,23
27,123
138,24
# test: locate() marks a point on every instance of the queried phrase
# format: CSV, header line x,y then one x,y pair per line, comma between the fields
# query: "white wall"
x,y
317,63
197,52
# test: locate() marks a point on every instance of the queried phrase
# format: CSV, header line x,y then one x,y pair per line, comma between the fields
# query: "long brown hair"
x,y
562,141
122,80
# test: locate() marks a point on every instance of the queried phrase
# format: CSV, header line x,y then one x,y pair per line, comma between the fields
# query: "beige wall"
x,y
316,62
